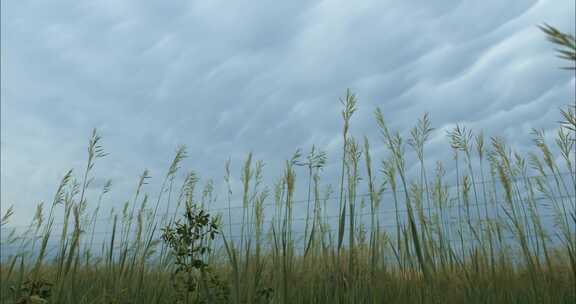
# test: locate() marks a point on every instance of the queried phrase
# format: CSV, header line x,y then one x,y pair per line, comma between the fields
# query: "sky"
x,y
226,78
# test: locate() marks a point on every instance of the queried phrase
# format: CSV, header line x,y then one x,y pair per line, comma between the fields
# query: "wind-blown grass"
x,y
486,240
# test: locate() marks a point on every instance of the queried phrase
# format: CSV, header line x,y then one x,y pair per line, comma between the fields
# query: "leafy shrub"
x,y
188,241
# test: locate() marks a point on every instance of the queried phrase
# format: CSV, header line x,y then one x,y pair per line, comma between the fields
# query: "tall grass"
x,y
411,237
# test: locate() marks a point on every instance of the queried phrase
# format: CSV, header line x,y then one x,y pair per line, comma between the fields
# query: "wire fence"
x,y
238,203
447,210
55,241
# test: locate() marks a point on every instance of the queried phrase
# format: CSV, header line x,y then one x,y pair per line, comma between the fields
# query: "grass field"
x,y
482,237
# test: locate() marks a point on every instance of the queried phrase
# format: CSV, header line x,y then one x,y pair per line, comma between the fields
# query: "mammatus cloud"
x,y
226,79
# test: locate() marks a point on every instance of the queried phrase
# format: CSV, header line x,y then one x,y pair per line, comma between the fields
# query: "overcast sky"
x,y
229,77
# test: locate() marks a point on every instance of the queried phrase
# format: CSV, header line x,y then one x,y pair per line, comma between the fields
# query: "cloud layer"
x,y
228,78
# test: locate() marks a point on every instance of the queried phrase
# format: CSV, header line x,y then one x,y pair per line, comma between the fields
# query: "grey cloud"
x,y
228,78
